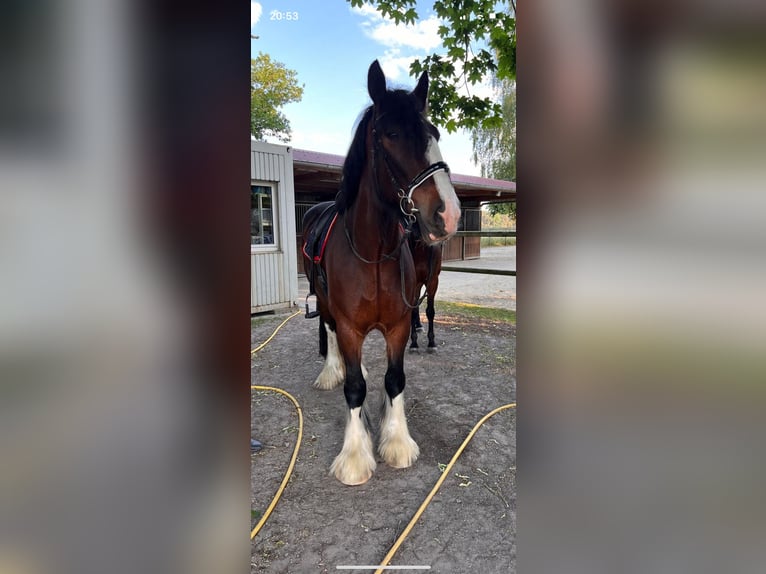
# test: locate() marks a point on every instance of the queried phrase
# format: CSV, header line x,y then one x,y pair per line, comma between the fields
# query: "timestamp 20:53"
x,y
279,15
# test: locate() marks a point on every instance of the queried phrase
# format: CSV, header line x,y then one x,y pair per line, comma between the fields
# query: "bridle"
x,y
406,205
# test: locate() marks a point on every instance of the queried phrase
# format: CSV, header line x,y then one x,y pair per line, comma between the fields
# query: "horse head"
x,y
407,159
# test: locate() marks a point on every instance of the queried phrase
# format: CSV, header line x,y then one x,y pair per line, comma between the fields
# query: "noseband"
x,y
406,205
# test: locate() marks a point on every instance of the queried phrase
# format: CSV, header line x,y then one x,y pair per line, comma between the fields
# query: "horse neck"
x,y
374,228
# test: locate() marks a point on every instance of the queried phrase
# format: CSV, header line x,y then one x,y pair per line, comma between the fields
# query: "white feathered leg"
x,y
396,445
334,371
356,462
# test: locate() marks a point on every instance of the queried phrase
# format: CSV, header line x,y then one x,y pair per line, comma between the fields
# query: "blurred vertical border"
x,y
642,328
124,255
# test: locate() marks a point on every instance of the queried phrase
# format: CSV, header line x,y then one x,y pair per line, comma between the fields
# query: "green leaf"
x,y
272,85
478,40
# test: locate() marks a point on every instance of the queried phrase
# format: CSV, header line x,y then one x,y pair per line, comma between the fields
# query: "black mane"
x,y
353,165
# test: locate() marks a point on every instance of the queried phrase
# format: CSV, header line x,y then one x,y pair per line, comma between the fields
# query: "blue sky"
x,y
330,46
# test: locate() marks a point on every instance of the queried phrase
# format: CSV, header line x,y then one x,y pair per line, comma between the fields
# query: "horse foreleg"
x,y
356,462
396,446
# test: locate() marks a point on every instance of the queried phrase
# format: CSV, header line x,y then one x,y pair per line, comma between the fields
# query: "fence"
x,y
509,233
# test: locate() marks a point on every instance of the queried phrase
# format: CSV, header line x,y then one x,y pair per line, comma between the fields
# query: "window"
x,y
262,211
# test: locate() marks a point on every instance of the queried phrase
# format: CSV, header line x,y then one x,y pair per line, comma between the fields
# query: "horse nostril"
x,y
438,216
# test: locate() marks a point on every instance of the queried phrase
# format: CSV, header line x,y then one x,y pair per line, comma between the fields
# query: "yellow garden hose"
x,y
274,501
266,342
436,487
289,471
281,488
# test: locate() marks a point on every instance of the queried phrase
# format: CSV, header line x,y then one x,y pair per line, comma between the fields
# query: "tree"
x,y
506,208
467,25
494,148
272,86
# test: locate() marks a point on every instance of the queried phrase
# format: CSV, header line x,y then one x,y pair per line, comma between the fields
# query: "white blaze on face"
x,y
451,213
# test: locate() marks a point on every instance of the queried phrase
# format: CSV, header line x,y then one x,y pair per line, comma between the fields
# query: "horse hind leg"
x,y
334,372
414,329
322,338
396,446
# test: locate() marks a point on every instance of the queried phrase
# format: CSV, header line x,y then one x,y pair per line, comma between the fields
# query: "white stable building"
x,y
273,251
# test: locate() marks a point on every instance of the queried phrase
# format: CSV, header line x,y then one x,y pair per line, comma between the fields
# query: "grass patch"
x,y
261,319
477,311
497,241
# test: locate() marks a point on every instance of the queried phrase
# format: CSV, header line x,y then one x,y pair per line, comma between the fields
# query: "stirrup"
x,y
315,312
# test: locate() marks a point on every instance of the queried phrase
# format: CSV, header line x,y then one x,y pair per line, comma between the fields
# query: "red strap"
x,y
326,237
318,258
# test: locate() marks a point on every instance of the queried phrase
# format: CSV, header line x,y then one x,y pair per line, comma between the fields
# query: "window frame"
x,y
268,247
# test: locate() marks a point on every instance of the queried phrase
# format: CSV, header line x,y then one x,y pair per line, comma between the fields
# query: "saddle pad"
x,y
316,241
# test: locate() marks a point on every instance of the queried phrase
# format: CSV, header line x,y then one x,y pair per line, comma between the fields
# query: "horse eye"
x,y
392,135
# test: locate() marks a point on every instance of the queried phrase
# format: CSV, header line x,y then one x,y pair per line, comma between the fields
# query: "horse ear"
x,y
421,91
376,82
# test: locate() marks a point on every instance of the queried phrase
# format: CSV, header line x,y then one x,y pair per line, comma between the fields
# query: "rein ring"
x,y
407,206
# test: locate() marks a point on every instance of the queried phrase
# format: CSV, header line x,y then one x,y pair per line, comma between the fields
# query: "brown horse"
x,y
393,175
428,265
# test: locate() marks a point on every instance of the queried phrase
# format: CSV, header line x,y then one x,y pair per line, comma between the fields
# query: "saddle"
x,y
316,240
314,244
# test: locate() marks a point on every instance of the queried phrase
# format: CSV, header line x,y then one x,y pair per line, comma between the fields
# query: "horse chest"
x,y
376,294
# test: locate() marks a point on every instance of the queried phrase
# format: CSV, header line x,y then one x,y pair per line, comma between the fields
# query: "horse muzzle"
x,y
438,223
441,226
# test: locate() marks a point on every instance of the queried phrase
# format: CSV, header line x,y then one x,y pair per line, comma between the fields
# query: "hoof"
x,y
431,349
415,349
353,469
329,379
353,481
355,462
399,453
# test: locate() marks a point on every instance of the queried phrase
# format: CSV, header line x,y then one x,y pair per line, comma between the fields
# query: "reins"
x,y
386,257
389,257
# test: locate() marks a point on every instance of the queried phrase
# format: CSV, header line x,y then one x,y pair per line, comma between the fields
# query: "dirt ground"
x,y
319,524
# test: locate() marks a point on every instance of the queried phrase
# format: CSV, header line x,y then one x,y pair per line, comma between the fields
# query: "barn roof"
x,y
320,173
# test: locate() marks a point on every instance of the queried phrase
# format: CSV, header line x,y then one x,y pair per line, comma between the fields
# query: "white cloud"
x,y
457,151
423,35
482,89
395,67
255,13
